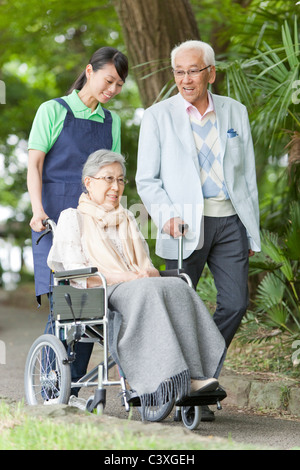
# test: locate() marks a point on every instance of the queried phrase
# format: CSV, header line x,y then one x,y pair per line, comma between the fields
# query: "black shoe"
x,y
207,415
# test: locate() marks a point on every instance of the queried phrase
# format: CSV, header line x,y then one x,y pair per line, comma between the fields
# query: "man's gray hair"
x,y
99,159
202,47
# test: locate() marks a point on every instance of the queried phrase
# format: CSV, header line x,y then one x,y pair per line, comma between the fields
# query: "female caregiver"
x,y
64,132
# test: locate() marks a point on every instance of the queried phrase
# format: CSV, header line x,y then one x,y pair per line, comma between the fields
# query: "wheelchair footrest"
x,y
195,399
203,398
132,398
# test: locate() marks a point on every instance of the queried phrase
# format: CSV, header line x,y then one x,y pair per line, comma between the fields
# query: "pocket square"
x,y
231,133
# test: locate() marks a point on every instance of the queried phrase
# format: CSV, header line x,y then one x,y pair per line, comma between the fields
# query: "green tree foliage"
x,y
43,47
277,303
44,44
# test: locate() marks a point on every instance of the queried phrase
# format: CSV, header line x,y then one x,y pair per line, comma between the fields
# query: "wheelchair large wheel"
x,y
191,416
47,374
156,414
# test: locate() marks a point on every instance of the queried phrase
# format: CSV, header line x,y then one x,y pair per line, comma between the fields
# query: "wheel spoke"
x,y
47,377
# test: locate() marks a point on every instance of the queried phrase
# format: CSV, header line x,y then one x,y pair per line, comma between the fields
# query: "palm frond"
x,y
278,316
260,263
269,293
292,241
271,247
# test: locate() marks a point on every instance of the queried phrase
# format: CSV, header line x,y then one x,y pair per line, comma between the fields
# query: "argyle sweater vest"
x,y
216,198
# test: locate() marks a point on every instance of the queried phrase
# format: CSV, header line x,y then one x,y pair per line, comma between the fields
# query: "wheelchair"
x,y
81,315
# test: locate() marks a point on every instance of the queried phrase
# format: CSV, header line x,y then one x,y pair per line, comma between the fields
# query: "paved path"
x,y
20,327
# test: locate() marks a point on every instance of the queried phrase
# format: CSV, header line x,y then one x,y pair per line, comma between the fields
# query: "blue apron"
x,y
62,185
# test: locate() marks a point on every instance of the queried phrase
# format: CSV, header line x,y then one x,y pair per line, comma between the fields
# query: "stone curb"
x,y
244,391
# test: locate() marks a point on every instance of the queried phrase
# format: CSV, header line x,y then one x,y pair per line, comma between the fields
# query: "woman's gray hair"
x,y
99,159
202,47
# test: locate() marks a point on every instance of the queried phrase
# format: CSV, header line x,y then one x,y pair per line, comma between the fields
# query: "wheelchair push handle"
x,y
182,229
49,226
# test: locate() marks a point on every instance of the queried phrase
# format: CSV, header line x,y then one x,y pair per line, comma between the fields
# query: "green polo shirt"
x,y
49,121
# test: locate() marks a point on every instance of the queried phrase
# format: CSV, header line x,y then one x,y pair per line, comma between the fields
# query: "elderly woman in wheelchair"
x,y
159,331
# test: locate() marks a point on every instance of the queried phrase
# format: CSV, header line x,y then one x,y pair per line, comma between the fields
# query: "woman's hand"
x,y
133,275
114,278
36,222
150,272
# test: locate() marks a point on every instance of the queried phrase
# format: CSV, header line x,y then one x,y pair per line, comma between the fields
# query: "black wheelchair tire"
x,y
157,414
61,371
191,416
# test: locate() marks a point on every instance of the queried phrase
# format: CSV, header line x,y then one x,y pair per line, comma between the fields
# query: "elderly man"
x,y
196,166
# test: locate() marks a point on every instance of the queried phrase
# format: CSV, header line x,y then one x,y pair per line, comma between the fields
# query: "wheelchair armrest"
x,y
171,273
75,273
177,273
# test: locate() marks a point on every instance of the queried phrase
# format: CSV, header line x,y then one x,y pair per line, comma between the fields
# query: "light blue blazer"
x,y
168,174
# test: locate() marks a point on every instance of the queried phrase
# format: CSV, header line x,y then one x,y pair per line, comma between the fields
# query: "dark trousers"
x,y
225,251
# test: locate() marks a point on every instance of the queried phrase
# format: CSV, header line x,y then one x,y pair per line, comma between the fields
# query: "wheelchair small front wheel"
x,y
191,416
97,402
47,373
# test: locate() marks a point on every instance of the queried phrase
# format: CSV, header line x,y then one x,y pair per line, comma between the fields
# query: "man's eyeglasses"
x,y
111,179
191,73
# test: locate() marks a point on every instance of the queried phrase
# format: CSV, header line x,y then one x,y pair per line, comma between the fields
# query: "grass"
x,y
19,430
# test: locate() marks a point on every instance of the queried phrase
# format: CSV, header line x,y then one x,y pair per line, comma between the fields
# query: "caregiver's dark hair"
x,y
100,58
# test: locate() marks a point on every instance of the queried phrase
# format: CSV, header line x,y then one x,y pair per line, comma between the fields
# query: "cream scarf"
x,y
102,251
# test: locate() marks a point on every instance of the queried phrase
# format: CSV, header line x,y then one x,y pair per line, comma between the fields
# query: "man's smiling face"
x,y
193,89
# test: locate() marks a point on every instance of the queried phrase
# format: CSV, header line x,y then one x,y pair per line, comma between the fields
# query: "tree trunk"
x,y
151,29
